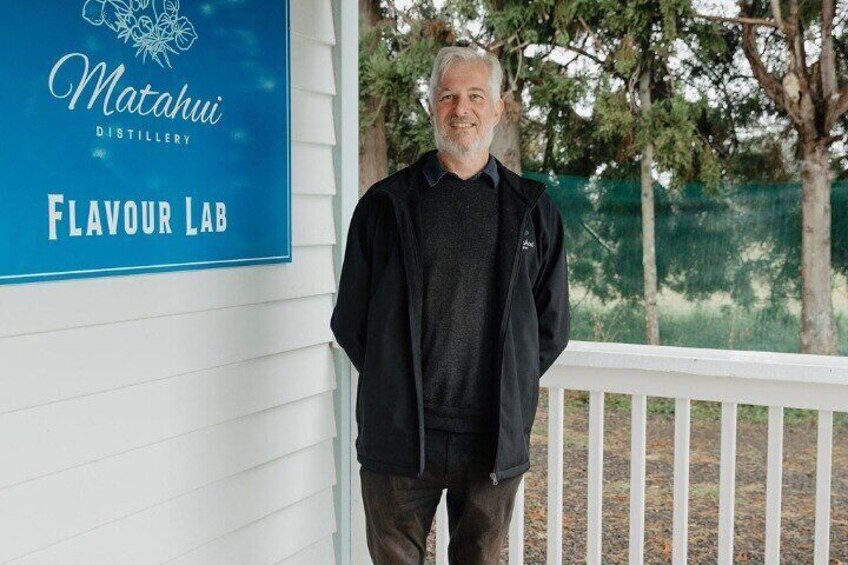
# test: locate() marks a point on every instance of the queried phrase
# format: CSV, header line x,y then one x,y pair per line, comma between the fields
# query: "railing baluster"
x,y
732,378
556,472
774,484
727,484
638,445
821,555
442,535
516,528
595,471
680,518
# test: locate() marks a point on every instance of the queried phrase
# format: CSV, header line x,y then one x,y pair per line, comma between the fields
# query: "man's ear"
x,y
499,108
430,111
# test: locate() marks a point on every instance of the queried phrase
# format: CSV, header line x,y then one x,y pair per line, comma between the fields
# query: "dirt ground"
x,y
798,512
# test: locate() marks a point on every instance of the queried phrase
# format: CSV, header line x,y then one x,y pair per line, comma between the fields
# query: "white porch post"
x,y
350,533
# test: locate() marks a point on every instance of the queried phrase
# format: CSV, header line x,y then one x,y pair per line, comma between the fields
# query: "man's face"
x,y
465,112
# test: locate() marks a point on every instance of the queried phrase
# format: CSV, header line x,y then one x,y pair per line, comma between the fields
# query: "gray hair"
x,y
447,56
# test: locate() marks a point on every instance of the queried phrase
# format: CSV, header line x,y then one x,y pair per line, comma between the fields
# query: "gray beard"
x,y
454,149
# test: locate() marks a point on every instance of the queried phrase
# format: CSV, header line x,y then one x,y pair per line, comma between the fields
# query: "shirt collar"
x,y
434,171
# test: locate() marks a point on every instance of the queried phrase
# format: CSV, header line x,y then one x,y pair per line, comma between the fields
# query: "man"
x,y
453,301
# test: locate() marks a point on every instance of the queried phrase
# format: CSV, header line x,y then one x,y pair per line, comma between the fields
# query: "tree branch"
x,y
561,68
828,65
769,84
739,21
580,51
837,109
795,45
603,63
595,41
775,10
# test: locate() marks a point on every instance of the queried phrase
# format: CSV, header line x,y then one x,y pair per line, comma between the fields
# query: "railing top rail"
x,y
758,365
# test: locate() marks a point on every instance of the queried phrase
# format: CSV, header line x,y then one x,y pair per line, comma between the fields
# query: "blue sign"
x,y
142,136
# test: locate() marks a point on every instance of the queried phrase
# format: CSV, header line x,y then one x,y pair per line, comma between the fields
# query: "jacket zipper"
x,y
494,474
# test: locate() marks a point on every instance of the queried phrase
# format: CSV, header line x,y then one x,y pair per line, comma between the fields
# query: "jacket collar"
x,y
526,189
435,171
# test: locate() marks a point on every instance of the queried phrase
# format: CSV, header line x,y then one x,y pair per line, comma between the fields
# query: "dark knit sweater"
x,y
459,225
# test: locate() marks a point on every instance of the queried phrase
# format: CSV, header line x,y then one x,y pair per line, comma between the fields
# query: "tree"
x,y
805,90
396,56
373,151
630,44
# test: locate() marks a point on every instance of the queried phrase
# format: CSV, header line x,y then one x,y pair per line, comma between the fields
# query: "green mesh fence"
x,y
728,263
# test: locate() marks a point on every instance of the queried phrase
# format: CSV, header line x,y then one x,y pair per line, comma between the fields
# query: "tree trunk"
x,y
373,150
649,254
548,158
506,146
817,324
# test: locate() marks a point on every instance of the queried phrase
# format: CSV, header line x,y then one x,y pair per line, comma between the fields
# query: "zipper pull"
x,y
494,478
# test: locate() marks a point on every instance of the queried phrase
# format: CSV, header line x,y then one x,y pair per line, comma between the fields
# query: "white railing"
x,y
775,380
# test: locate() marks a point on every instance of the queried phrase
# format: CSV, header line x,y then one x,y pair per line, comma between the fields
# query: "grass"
x,y
725,327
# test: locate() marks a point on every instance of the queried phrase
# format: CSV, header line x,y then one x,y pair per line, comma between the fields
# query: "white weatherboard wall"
x,y
183,418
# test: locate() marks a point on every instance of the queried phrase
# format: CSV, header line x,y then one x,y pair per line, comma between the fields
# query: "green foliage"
x,y
465,10
615,120
395,61
565,14
626,57
710,167
634,37
672,126
713,42
561,140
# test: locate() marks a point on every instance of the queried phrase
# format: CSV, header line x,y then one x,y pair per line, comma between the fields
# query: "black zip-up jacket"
x,y
377,318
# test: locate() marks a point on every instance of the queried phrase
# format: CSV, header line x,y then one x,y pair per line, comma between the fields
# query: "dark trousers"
x,y
399,510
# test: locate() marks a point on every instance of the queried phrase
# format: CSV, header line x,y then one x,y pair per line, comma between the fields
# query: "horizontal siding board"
x,y
115,489
61,435
320,553
71,304
312,65
312,169
183,524
55,366
310,223
272,538
312,117
314,19
312,220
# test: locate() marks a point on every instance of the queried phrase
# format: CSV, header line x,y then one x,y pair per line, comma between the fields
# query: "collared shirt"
x,y
434,171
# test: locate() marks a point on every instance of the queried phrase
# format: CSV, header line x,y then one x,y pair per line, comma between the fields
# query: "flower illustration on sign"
x,y
155,27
